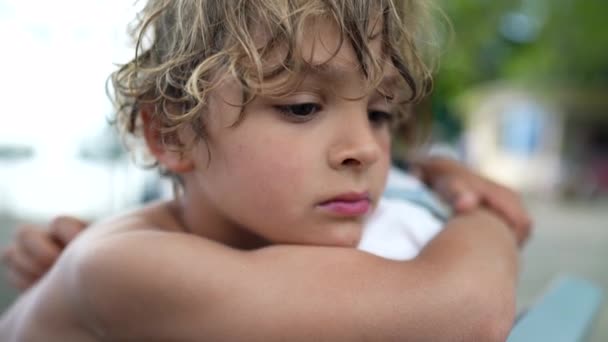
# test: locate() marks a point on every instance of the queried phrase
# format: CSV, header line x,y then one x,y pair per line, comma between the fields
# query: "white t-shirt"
x,y
406,219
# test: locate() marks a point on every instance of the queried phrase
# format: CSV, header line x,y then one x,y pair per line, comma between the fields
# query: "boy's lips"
x,y
350,204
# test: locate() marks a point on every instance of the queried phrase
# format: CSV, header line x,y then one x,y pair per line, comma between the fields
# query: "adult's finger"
x,y
18,280
510,206
6,252
37,245
457,193
21,263
65,228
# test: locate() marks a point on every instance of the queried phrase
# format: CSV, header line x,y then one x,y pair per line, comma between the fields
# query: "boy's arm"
x,y
164,286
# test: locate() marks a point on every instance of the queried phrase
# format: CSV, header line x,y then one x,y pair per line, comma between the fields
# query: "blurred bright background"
x,y
521,96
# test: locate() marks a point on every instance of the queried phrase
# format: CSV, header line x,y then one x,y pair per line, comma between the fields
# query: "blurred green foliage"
x,y
552,42
559,47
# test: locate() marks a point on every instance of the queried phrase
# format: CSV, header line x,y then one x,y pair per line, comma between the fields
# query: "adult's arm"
x,y
35,249
158,286
465,190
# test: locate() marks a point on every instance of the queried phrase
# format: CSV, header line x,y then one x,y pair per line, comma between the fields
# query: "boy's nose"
x,y
356,146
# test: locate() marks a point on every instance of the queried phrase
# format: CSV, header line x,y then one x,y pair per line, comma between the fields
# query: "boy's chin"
x,y
339,234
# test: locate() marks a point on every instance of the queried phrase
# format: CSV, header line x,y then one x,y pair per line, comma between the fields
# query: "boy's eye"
x,y
300,110
379,118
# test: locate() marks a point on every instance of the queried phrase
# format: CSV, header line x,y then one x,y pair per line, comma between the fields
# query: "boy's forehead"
x,y
325,44
327,55
325,52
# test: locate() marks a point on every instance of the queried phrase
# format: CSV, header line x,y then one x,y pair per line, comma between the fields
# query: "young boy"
x,y
275,117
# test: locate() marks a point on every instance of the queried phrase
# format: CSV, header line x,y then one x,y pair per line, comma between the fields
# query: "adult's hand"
x,y
465,190
35,248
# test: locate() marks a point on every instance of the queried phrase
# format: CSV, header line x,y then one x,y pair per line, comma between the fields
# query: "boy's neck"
x,y
199,221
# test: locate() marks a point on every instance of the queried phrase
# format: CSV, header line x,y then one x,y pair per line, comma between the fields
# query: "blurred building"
x,y
541,142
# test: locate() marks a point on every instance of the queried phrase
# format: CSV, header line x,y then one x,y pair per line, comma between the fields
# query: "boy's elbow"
x,y
478,310
495,329
495,317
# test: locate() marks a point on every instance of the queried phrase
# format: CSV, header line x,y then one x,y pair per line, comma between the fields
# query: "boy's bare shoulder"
x,y
122,268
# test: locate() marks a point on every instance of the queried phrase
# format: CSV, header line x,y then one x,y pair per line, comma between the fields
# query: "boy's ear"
x,y
172,160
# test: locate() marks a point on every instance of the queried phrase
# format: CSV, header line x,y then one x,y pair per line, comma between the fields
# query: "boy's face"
x,y
304,169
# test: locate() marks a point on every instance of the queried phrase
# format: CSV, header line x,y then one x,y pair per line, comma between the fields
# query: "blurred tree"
x,y
556,43
563,41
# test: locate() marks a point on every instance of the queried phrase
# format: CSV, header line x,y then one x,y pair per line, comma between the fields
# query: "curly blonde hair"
x,y
182,45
